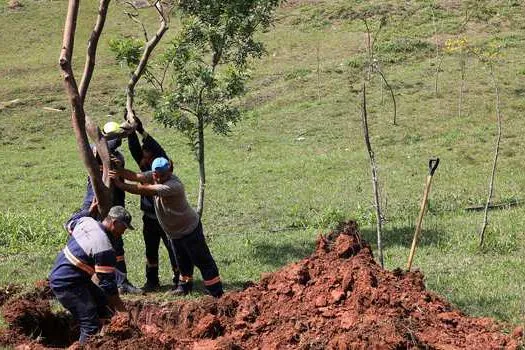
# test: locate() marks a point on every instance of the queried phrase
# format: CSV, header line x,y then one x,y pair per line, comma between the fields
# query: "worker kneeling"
x,y
89,251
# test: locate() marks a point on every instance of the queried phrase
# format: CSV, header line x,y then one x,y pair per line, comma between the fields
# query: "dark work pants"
x,y
153,233
87,304
192,250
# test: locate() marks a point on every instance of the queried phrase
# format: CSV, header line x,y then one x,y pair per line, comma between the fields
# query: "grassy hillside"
x,y
297,164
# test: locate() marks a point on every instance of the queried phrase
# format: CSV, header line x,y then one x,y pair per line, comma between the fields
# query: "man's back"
x,y
175,215
88,251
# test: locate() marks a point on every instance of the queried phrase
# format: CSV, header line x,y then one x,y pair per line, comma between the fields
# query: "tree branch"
x,y
134,18
150,45
78,116
389,88
187,109
89,66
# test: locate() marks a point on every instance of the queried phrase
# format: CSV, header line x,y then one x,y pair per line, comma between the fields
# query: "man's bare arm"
x,y
129,175
135,188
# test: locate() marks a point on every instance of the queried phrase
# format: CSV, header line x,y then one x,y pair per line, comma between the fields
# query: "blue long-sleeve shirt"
x,y
88,251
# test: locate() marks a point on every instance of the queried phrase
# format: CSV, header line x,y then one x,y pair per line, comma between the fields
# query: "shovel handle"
x,y
432,165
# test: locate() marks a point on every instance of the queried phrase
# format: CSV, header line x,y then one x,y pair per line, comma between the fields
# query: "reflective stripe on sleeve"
x,y
104,269
77,262
120,258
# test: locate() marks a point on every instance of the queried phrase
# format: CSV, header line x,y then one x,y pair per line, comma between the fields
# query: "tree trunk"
x,y
495,162
78,117
202,171
373,166
462,85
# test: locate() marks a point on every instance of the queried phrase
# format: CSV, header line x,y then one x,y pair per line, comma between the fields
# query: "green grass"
x,y
297,163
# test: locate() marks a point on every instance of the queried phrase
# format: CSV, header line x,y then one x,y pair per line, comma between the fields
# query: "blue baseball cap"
x,y
160,165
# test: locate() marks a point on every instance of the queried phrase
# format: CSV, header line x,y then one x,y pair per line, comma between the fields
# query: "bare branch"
x,y
131,4
157,84
369,48
150,45
92,48
189,110
78,116
495,162
164,76
133,17
378,69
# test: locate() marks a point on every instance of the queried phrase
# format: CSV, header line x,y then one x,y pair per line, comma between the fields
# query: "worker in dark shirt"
x,y
89,251
144,154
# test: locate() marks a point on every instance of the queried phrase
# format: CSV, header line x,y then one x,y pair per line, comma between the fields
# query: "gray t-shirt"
x,y
176,217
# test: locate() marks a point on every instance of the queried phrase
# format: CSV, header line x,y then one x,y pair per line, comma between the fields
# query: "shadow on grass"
x,y
281,253
230,286
496,306
402,236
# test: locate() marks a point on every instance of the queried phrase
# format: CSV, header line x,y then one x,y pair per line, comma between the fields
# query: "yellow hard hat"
x,y
111,127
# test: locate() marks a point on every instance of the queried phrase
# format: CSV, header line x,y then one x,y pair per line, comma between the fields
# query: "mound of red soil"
x,y
338,298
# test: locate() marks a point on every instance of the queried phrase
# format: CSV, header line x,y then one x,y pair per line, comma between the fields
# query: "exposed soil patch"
x,y
14,5
338,298
7,292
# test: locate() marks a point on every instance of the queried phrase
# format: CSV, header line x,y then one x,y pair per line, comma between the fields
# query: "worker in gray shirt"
x,y
179,220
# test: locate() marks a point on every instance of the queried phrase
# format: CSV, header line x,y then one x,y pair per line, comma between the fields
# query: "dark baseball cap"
x,y
121,214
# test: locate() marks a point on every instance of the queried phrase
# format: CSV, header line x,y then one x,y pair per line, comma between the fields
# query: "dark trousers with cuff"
x,y
87,304
192,250
153,233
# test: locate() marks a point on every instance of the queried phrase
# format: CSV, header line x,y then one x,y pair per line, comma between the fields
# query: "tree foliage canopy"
x,y
209,63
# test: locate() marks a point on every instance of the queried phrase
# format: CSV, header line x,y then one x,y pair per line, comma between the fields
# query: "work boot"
x,y
150,287
127,288
184,288
215,290
152,279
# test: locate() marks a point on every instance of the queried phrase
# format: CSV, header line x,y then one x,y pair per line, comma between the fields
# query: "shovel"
x,y
432,166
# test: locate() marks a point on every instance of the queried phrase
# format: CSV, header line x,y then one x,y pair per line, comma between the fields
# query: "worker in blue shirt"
x,y
89,251
89,208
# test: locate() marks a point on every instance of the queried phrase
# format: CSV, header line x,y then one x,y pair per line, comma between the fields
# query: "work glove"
x,y
140,127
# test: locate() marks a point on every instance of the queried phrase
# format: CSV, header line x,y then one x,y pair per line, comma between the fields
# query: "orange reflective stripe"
x,y
186,278
120,258
77,262
104,269
212,281
148,264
